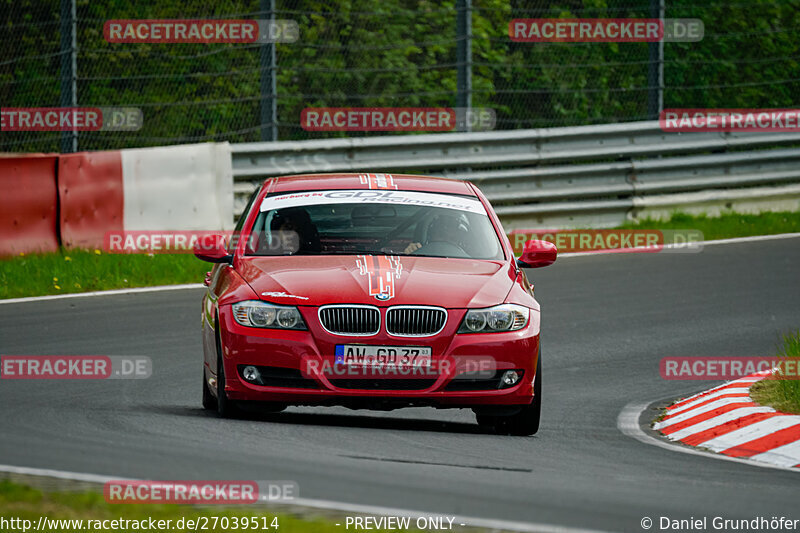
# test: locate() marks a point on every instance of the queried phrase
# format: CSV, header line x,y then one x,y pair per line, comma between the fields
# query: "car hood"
x,y
377,280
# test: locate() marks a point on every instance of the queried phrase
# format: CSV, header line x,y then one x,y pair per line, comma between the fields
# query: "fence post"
x,y
269,74
655,70
69,68
464,55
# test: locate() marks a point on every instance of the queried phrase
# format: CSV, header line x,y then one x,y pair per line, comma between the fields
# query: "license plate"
x,y
367,355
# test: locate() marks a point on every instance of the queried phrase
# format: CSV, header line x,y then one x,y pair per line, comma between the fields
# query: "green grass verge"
x,y
82,271
20,501
726,226
781,394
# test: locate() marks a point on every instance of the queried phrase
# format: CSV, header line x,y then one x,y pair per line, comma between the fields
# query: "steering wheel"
x,y
422,220
444,248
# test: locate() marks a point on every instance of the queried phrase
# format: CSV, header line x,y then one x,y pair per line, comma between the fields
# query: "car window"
x,y
377,227
240,223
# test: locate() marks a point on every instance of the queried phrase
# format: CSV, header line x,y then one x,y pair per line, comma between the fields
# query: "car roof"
x,y
403,182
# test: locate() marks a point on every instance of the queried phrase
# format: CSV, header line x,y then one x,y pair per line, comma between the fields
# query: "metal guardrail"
x,y
589,175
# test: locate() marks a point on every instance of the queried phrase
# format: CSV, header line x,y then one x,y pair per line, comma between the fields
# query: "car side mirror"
x,y
537,254
212,248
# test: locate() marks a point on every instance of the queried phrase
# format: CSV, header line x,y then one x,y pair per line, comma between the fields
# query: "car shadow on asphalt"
x,y
338,420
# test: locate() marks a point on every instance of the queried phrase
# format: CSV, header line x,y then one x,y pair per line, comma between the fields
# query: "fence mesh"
x,y
387,53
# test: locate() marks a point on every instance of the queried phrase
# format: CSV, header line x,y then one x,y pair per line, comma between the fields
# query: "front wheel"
x,y
525,422
209,402
225,407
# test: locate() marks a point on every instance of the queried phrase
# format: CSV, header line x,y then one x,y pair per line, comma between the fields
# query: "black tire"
x,y
225,407
526,422
209,402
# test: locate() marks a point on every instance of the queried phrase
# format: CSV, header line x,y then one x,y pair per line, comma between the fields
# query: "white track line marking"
x,y
736,240
60,474
717,420
691,413
628,424
750,432
787,455
134,290
488,523
753,238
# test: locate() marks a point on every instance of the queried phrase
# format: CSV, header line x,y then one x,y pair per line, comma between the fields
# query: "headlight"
x,y
257,314
505,317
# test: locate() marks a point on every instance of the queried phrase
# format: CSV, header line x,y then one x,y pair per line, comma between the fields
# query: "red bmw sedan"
x,y
373,291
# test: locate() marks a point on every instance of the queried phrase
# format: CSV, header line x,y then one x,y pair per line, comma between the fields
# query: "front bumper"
x,y
304,357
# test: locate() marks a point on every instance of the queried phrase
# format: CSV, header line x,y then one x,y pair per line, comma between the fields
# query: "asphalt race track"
x,y
607,321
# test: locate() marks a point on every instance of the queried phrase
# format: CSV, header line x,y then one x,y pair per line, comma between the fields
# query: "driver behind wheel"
x,y
444,229
291,232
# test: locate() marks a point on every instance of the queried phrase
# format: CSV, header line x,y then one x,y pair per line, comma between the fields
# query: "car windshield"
x,y
373,222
